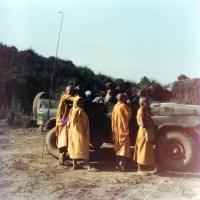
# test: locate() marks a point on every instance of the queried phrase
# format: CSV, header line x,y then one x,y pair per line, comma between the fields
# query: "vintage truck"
x,y
177,128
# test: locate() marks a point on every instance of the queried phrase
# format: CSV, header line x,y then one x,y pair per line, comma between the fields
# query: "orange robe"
x,y
78,133
61,129
121,116
144,151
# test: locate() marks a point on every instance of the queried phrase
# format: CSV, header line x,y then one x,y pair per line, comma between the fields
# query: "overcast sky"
x,y
126,39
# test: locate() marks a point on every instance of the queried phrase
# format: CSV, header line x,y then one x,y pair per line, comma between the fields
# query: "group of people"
x,y
72,126
72,129
144,151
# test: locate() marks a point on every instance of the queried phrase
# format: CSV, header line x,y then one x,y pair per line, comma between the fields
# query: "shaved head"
x,y
69,87
121,96
69,90
142,100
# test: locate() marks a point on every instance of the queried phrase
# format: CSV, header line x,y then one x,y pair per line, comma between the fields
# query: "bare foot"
x,y
159,170
76,167
92,169
142,173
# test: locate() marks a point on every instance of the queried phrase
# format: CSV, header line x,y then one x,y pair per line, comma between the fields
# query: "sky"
x,y
121,38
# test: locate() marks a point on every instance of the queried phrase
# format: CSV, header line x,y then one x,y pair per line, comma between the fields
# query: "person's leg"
x,y
87,161
118,159
90,168
122,163
117,163
61,150
123,159
139,168
62,155
74,164
142,173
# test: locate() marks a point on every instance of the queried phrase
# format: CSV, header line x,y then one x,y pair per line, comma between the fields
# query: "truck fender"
x,y
188,129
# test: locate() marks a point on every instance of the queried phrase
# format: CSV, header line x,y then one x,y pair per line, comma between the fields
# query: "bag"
x,y
149,134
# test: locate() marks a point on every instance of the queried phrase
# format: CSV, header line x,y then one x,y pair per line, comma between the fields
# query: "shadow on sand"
x,y
105,160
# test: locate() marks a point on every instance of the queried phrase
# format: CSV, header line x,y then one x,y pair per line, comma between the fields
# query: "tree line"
x,y
26,73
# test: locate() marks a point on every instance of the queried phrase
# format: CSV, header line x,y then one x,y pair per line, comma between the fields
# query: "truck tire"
x,y
176,150
38,96
51,143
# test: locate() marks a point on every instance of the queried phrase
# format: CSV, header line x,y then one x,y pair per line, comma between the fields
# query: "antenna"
x,y
50,106
55,60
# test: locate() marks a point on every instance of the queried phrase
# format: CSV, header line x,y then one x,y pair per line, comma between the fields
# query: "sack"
x,y
149,134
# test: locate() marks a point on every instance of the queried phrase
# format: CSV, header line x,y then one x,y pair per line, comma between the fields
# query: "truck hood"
x,y
167,109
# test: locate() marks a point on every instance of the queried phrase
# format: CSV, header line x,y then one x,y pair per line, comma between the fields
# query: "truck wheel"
x,y
38,96
51,142
176,150
95,143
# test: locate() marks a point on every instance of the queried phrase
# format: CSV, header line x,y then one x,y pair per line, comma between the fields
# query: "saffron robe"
x,y
144,152
62,112
121,116
78,133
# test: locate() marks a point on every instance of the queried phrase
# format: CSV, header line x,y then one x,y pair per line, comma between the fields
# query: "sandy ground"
x,y
25,175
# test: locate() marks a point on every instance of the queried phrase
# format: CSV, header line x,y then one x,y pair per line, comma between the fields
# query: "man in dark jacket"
x,y
80,84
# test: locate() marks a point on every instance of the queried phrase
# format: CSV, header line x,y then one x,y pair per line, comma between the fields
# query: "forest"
x,y
23,74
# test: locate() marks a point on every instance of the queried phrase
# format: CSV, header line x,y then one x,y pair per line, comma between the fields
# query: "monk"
x,y
61,121
120,130
144,151
79,134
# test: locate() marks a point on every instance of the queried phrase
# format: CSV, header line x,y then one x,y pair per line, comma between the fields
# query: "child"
x,y
144,151
79,134
120,129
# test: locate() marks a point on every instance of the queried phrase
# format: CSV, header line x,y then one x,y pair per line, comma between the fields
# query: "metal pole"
x,y
56,55
50,106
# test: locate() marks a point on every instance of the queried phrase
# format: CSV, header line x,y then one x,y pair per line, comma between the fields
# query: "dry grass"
x,y
24,175
14,114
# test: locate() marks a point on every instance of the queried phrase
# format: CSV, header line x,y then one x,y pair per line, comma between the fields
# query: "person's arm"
x,y
113,124
147,124
126,114
129,103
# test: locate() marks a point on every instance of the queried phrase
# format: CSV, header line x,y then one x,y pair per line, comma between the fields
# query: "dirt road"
x,y
24,175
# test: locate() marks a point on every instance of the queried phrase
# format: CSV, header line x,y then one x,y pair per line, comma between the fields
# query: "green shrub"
x,y
15,115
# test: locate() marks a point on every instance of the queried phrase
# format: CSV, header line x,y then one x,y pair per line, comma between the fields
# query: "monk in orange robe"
x,y
121,116
61,121
144,151
79,134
